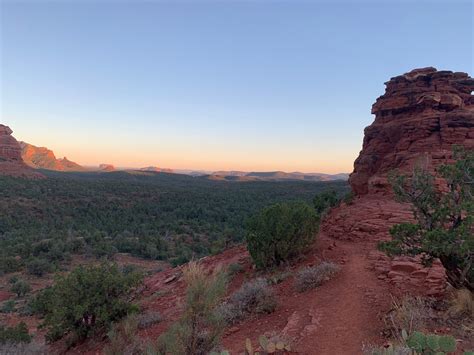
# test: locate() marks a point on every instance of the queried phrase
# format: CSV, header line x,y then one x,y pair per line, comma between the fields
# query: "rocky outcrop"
x,y
106,167
420,117
11,162
43,158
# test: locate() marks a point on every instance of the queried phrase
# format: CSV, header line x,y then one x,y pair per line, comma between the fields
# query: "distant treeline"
x,y
157,216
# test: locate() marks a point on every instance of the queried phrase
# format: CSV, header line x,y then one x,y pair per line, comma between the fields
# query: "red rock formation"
x,y
106,167
43,158
417,121
11,162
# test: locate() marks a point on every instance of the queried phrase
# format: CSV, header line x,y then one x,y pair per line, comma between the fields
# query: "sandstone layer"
x,y
418,120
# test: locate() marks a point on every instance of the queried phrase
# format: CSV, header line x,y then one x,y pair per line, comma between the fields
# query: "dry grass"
x,y
253,297
122,339
312,277
410,314
462,303
23,349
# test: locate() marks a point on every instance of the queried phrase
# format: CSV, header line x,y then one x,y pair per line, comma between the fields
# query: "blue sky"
x,y
249,85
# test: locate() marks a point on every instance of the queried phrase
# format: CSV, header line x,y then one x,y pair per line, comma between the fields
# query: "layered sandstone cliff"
x,y
420,117
43,158
11,162
418,120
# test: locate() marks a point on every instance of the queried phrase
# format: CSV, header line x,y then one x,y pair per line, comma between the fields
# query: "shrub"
x,y
280,232
279,277
146,320
234,269
311,277
408,315
8,306
253,297
200,328
38,267
324,201
9,264
20,288
462,303
13,279
444,218
88,299
17,334
31,348
122,338
349,198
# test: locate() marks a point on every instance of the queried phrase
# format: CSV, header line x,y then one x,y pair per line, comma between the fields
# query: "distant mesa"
x,y
275,176
44,158
156,169
11,161
107,167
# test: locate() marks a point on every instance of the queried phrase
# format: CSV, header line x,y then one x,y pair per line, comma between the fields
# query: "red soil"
x,y
335,318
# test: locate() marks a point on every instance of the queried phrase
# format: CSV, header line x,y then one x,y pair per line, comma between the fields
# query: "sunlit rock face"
x,y
11,162
9,147
44,158
420,117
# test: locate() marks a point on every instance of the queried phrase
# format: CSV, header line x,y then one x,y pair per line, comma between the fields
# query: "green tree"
x,y
88,299
20,288
16,334
281,232
444,216
325,200
200,328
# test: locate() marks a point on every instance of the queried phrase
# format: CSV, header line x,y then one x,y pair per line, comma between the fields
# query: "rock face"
x,y
9,147
43,158
417,121
420,117
11,162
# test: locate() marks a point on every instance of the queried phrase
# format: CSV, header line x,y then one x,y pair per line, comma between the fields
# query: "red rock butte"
x,y
11,161
418,120
420,117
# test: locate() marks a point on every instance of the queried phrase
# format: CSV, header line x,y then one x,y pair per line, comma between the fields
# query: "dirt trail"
x,y
336,318
347,310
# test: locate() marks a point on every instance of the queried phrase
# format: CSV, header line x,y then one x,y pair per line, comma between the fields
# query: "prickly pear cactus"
x,y
431,344
269,345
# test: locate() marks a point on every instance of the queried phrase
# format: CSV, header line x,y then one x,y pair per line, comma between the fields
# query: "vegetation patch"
x,y
87,300
312,277
281,232
253,297
200,328
444,218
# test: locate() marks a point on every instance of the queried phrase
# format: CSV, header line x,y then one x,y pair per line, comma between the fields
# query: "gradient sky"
x,y
245,85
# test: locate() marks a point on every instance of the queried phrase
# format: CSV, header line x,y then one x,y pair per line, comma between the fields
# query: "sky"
x,y
215,85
